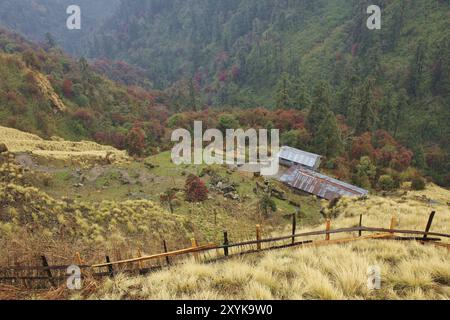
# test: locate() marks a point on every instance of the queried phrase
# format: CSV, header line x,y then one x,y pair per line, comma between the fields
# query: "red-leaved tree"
x,y
135,141
195,189
67,88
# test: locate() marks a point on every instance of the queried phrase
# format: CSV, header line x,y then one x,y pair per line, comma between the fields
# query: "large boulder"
x,y
228,189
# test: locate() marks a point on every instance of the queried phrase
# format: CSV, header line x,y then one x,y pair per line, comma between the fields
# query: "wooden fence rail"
x,y
45,270
158,256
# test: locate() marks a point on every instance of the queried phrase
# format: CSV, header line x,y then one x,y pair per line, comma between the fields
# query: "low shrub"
x,y
386,183
418,183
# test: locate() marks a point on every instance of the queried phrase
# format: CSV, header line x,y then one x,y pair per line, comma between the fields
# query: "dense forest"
x,y
339,87
248,53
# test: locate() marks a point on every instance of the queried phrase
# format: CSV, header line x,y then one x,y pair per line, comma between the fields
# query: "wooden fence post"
x,y
428,227
140,264
165,251
49,272
110,267
225,243
194,245
258,236
393,223
80,261
294,226
327,228
360,225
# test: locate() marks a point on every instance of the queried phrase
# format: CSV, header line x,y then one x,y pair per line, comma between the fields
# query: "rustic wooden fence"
x,y
46,275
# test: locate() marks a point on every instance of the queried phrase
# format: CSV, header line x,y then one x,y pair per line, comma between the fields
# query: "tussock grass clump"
x,y
411,209
409,270
36,210
75,225
338,272
10,172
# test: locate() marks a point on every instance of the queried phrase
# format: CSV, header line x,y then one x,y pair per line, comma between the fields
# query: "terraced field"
x,y
77,152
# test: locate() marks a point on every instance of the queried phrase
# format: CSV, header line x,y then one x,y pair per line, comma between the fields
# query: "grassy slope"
x,y
408,270
115,212
133,180
89,204
33,223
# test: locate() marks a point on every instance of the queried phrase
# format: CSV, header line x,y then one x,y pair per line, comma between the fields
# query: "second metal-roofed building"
x,y
318,184
289,156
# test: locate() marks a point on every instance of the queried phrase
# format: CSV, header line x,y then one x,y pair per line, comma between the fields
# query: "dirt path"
x,y
26,160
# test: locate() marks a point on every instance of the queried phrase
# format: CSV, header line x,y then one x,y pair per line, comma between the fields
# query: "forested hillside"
x,y
246,53
344,86
46,92
245,45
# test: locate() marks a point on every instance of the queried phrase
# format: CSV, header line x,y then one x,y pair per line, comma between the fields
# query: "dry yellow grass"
x,y
34,219
18,141
411,210
409,270
48,91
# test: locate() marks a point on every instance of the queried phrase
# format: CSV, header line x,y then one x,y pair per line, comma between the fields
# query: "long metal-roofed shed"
x,y
289,156
318,184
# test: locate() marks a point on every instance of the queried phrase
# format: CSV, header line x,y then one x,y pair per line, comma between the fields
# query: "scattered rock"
x,y
149,165
132,194
228,189
207,171
232,196
125,178
110,157
434,202
3,148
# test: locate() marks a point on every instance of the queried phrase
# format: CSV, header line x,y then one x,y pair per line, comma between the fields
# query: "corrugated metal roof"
x,y
319,184
299,156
